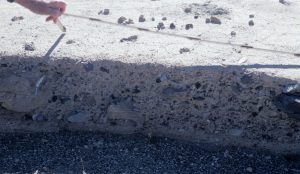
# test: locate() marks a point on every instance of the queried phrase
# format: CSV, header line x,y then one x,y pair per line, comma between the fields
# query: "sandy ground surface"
x,y
67,152
276,26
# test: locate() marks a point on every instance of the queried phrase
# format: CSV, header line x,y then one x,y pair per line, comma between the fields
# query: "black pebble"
x,y
88,67
207,20
172,26
161,26
187,10
215,20
106,12
189,26
142,18
251,23
121,20
233,33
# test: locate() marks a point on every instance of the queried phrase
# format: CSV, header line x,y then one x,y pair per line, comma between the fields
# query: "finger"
x,y
55,20
49,18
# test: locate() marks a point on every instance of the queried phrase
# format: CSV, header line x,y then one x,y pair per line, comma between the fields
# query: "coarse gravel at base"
x,y
73,152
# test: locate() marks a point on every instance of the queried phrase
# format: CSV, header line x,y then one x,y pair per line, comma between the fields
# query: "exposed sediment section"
x,y
217,104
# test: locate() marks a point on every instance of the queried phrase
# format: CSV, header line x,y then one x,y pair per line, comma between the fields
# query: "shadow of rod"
x,y
52,48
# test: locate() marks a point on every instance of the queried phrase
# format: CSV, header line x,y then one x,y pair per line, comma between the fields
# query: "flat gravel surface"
x,y
71,152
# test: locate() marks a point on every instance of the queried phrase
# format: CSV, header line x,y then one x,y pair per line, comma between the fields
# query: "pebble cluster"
x,y
213,11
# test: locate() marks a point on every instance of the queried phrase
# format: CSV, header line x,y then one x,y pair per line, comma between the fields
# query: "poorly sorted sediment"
x,y
221,105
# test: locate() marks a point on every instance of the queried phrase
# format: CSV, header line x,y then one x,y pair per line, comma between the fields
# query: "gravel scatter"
x,y
70,152
17,18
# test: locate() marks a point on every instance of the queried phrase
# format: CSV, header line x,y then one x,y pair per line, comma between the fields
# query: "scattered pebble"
x,y
104,70
70,42
39,83
169,91
219,11
129,21
161,78
227,154
161,26
164,18
215,20
142,18
38,117
188,10
233,33
129,39
17,18
172,26
284,2
196,17
189,26
236,132
243,60
249,169
29,46
251,16
88,67
247,79
106,12
121,20
293,89
290,104
268,157
80,117
207,20
251,23
152,19
184,50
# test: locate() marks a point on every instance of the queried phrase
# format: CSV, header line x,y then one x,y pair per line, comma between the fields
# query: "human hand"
x,y
53,9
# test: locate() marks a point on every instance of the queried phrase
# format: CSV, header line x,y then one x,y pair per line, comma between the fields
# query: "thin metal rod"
x,y
182,36
61,26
